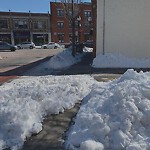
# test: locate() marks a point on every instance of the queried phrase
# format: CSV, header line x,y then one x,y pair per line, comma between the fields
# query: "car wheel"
x,y
45,47
31,47
19,47
55,47
12,49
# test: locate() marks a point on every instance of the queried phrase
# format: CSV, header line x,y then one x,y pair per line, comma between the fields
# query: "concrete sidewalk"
x,y
53,134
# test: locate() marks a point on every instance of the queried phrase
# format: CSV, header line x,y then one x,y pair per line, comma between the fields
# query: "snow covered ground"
x,y
110,60
25,102
113,115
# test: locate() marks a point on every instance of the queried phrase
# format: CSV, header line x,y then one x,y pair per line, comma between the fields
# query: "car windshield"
x,y
4,43
50,43
26,43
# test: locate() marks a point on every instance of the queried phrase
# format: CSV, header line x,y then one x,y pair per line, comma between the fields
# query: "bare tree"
x,y
72,10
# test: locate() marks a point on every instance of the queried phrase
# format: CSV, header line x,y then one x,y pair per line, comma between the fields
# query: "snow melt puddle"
x,y
25,102
114,116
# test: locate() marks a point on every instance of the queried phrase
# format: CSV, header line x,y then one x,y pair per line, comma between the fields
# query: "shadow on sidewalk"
x,y
19,71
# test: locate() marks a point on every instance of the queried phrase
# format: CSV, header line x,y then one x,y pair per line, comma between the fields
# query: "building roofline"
x,y
23,13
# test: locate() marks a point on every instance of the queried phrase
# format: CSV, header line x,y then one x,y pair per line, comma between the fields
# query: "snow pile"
x,y
114,116
25,102
63,60
60,61
119,61
87,49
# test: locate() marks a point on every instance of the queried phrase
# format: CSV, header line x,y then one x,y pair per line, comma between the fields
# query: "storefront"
x,y
5,37
21,36
40,39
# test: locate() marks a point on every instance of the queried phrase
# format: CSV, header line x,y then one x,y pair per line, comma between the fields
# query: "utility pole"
x,y
73,30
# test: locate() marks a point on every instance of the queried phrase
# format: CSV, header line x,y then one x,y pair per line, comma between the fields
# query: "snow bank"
x,y
114,116
119,61
25,102
63,60
87,49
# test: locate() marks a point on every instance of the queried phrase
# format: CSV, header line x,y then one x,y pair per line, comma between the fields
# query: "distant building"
x,y
17,27
61,28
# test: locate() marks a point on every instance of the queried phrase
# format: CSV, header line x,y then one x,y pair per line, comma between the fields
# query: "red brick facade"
x,y
60,28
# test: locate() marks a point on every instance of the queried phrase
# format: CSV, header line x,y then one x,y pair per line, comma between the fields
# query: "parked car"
x,y
88,44
65,45
23,45
51,45
7,46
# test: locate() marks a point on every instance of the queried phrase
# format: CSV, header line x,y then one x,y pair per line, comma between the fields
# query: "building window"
x,y
3,24
70,13
70,25
20,24
76,24
87,14
87,24
60,13
70,37
60,37
39,24
60,25
87,37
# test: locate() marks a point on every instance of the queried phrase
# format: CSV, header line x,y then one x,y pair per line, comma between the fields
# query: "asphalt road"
x,y
11,60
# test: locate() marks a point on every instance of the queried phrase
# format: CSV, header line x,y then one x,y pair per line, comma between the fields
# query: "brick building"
x,y
17,27
61,28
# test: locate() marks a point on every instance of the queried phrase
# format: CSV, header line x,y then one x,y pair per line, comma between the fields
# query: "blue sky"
x,y
26,5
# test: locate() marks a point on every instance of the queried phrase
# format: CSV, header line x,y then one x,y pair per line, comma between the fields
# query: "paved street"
x,y
11,60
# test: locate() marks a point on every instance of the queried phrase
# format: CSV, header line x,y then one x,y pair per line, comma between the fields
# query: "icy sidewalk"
x,y
53,134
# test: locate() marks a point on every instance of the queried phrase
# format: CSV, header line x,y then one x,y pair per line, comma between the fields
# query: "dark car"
x,y
88,44
7,46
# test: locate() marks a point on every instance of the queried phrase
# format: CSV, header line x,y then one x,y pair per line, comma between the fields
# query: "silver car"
x,y
27,45
51,45
7,46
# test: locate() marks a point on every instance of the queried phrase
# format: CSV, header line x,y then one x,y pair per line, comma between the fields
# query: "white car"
x,y
29,45
51,45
